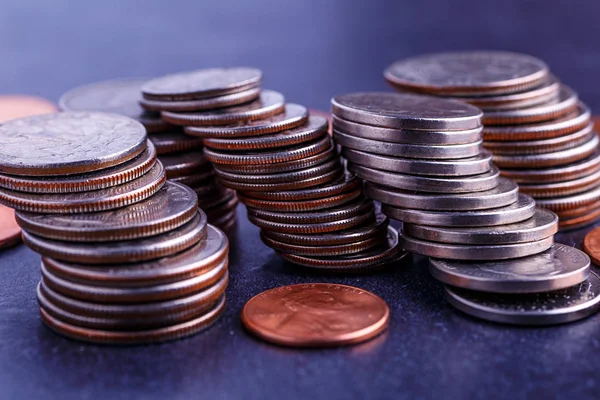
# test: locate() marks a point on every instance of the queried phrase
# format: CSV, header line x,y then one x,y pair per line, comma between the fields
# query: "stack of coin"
x,y
421,158
540,134
180,154
126,257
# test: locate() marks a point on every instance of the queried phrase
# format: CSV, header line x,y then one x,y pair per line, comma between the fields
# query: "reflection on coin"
x,y
208,103
19,106
10,232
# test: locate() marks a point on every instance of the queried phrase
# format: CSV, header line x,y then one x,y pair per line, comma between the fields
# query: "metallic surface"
x,y
10,232
208,103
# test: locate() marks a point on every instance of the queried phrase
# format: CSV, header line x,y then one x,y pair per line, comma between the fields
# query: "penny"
x,y
208,103
68,143
468,72
201,83
324,178
172,206
19,106
10,232
555,307
591,245
301,206
557,268
174,141
96,180
523,209
450,151
479,164
355,208
429,184
558,204
343,185
591,216
318,228
93,201
185,163
406,111
268,103
566,188
287,315
292,116
321,251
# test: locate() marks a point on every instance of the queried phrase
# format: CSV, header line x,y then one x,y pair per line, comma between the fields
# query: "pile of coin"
x,y
421,157
127,258
180,154
540,134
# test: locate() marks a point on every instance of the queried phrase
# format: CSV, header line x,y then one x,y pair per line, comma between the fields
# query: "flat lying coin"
x,y
556,307
208,103
10,232
174,141
563,173
19,106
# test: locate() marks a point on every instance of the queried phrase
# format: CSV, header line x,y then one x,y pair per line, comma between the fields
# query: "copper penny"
x,y
10,233
208,103
316,315
174,141
19,106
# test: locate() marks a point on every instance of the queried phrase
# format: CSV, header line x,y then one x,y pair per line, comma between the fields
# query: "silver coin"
x,y
406,111
558,204
408,150
209,103
473,183
555,307
451,251
557,268
561,189
542,225
519,211
406,136
479,164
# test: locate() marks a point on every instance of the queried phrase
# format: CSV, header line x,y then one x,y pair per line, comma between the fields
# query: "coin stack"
x,y
540,134
284,166
180,154
421,158
126,257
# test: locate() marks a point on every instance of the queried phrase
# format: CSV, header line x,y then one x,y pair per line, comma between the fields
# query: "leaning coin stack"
x,y
540,134
180,154
420,157
126,257
285,168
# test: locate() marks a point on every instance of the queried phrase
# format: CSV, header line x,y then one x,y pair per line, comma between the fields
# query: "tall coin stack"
x,y
285,168
126,257
180,154
421,158
541,135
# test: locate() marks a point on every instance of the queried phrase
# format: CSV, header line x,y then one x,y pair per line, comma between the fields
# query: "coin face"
x,y
19,106
68,143
315,315
10,232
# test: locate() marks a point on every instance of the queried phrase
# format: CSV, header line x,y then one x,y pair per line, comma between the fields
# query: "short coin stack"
x,y
180,154
540,134
127,258
420,157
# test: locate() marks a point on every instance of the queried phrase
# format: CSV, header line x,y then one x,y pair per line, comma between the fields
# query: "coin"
x,y
555,307
10,232
196,179
580,169
172,206
591,245
328,176
174,141
216,199
558,189
468,72
301,206
288,314
97,200
558,204
343,185
406,111
321,251
19,106
357,207
318,228
557,268
68,143
202,83
268,103
208,103
523,209
184,163
591,216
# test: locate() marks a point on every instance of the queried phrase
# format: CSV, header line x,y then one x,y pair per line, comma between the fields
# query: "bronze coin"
x,y
174,141
208,103
321,251
10,232
559,204
93,201
591,245
557,189
172,206
301,206
20,106
184,163
343,314
344,184
268,103
318,228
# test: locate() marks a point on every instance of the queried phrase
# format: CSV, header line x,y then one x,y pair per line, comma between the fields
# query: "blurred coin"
x,y
317,228
20,106
321,251
301,206
344,184
208,103
333,173
10,233
352,209
195,179
579,169
558,189
590,216
558,204
184,163
174,141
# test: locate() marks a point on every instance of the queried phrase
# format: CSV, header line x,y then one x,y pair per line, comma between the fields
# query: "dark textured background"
x,y
309,50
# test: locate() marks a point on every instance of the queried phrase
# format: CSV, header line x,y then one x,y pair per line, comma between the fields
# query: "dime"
x,y
268,103
329,176
321,251
287,315
406,111
172,206
555,307
19,106
467,73
68,143
208,103
318,228
186,163
357,207
580,169
523,209
564,203
301,206
174,141
343,185
202,83
566,188
591,245
10,232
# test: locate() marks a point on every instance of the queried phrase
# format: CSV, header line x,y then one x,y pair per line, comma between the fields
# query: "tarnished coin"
x,y
68,143
168,209
20,106
352,209
318,228
208,103
406,111
523,209
344,184
174,141
301,206
202,83
468,72
344,314
555,307
321,251
557,189
591,245
429,184
558,204
557,268
268,103
185,163
10,232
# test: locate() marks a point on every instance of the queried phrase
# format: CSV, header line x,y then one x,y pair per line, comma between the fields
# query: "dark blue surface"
x,y
310,51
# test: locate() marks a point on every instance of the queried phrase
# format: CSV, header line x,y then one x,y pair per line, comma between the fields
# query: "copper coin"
x,y
10,233
93,201
557,189
344,184
591,245
174,141
292,116
268,103
321,251
577,211
590,217
208,103
558,204
68,143
326,177
19,106
184,163
316,315
317,228
301,206
172,206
